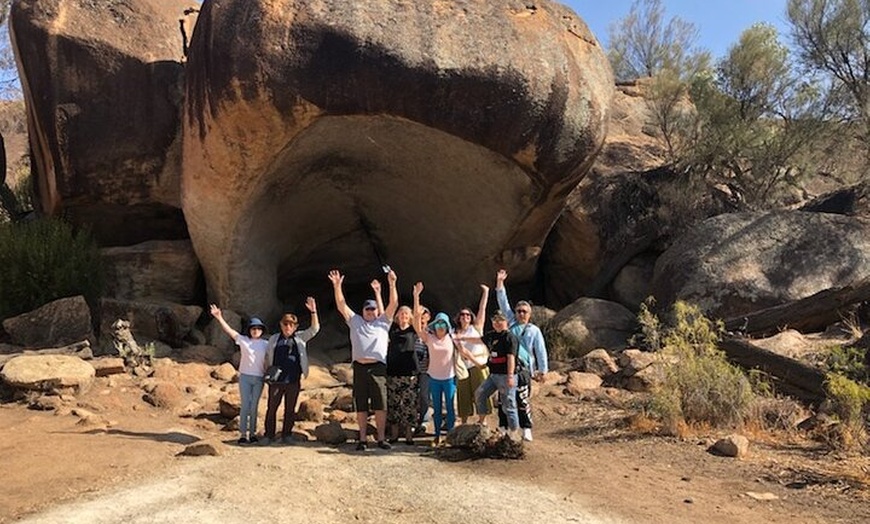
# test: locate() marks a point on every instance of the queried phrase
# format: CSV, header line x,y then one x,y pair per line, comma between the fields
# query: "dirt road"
x,y
586,465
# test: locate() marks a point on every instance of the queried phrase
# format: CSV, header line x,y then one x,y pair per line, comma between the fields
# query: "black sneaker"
x,y
360,446
383,444
242,440
253,439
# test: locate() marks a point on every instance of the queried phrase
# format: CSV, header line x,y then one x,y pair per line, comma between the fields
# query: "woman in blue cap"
x,y
252,366
441,370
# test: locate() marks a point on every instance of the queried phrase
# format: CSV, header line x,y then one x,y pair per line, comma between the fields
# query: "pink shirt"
x,y
440,357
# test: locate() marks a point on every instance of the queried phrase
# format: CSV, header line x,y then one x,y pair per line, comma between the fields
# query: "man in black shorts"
x,y
369,339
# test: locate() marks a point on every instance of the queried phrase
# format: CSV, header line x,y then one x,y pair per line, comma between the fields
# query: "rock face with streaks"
x,y
442,138
103,86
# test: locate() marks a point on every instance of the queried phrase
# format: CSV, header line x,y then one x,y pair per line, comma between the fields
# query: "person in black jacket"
x,y
287,350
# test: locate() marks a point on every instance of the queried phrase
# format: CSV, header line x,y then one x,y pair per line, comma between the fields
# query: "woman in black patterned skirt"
x,y
402,378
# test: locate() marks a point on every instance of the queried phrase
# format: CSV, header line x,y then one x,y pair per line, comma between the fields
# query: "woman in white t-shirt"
x,y
252,367
471,326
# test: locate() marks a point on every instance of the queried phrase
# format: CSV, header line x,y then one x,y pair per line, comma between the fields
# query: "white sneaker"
x,y
527,434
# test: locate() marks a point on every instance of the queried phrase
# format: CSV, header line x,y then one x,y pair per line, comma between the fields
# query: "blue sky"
x,y
719,22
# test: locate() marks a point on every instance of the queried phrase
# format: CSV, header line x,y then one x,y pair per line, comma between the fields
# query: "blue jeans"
x,y
508,394
250,389
448,389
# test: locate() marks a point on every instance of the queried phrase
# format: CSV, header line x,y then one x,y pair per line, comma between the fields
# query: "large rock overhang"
x,y
102,90
338,135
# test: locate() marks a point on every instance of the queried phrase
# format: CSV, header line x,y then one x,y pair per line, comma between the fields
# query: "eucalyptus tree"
x,y
832,37
756,118
647,44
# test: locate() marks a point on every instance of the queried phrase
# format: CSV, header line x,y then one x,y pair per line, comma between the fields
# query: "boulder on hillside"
x,y
737,263
58,323
851,201
162,270
81,349
293,104
102,84
48,373
627,206
591,323
160,320
633,284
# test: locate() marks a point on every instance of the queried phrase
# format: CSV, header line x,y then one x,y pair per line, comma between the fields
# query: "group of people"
x,y
403,361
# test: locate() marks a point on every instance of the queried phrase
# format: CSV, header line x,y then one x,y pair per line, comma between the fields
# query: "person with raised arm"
x,y
440,343
288,351
470,325
422,356
402,378
369,340
252,367
533,360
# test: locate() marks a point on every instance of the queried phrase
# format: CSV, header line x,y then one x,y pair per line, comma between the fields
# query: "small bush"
x,y
650,336
847,361
850,401
700,386
44,260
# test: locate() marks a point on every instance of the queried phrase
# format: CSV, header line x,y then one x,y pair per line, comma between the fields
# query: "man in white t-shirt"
x,y
369,338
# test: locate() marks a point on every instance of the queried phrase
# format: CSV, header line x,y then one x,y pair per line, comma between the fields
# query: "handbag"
x,y
459,368
273,374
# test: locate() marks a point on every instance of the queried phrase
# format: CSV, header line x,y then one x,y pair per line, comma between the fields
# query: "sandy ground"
x,y
584,466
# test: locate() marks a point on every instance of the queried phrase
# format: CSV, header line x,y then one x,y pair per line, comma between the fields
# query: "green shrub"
x,y
650,336
850,400
847,361
44,260
700,386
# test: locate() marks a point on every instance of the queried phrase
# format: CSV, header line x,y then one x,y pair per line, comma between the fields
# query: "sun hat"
x,y
256,322
441,319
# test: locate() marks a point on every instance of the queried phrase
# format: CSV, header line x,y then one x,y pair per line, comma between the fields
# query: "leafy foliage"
x,y
832,37
699,385
643,44
44,260
850,401
755,118
848,361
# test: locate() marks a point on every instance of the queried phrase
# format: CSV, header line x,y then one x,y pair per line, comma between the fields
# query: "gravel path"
x,y
314,485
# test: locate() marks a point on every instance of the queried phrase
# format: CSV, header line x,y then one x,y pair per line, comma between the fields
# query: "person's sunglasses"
x,y
371,309
464,314
288,323
523,311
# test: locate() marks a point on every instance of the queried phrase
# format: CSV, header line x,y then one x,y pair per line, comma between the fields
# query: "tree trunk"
x,y
789,376
810,314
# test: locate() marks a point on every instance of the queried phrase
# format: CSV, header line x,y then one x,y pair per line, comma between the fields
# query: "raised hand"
x,y
215,311
418,288
376,286
484,288
501,276
336,277
391,277
311,304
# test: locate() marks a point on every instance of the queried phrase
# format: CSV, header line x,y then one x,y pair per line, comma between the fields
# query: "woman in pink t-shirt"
x,y
441,374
